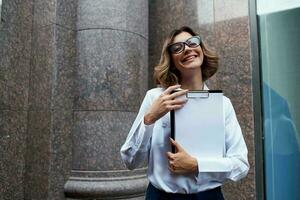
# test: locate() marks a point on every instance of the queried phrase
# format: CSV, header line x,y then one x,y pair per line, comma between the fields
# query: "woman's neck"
x,y
192,81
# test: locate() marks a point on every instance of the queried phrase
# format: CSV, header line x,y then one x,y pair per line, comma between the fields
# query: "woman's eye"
x,y
176,48
192,44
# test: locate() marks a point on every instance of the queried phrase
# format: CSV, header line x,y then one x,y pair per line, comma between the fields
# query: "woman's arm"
x,y
137,144
135,149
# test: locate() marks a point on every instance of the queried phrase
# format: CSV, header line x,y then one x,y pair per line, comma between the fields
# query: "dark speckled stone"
x,y
126,15
234,77
97,134
76,77
66,13
44,12
13,125
64,69
42,68
36,64
37,155
15,49
61,152
110,83
112,70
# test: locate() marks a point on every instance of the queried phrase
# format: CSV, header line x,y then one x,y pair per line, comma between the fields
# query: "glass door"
x,y
279,34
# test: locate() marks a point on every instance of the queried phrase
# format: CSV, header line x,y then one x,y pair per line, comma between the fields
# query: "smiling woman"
x,y
185,60
166,74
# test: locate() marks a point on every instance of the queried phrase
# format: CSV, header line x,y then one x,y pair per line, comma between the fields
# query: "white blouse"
x,y
151,142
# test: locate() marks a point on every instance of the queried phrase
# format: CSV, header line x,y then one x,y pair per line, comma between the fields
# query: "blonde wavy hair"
x,y
166,74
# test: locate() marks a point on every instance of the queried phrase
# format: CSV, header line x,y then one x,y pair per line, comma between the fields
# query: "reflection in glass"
x,y
280,58
0,9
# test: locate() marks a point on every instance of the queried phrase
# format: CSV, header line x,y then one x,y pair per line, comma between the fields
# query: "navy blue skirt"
x,y
153,193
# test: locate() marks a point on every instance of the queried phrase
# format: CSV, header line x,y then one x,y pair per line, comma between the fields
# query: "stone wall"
x,y
37,70
72,77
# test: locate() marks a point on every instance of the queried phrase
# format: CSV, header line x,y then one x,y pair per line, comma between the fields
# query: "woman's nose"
x,y
187,48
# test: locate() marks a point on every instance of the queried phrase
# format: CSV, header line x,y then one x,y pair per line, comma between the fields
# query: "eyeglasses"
x,y
178,47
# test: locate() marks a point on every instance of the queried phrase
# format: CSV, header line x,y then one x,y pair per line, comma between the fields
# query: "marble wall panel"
x,y
41,75
61,152
15,48
233,36
235,78
97,139
37,155
13,126
15,11
66,13
4,95
126,15
63,68
44,12
237,86
112,70
44,66
227,10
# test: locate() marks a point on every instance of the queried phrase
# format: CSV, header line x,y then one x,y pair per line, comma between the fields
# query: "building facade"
x,y
73,74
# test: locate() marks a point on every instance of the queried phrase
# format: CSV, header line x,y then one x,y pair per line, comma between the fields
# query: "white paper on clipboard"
x,y
199,126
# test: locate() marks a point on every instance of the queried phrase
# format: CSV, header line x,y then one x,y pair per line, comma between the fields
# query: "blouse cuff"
x,y
214,165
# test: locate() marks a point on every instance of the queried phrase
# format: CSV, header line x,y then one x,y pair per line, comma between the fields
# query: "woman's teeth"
x,y
189,58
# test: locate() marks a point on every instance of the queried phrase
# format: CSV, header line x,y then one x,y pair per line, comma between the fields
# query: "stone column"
x,y
36,66
110,83
15,48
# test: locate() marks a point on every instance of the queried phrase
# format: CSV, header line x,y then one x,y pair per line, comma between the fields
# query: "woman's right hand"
x,y
165,103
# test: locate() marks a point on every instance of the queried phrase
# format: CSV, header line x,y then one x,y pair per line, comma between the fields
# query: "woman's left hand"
x,y
181,162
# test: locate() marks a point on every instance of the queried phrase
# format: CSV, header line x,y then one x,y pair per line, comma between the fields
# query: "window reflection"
x,y
280,58
0,8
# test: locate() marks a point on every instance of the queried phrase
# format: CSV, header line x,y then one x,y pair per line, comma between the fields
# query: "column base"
x,y
106,188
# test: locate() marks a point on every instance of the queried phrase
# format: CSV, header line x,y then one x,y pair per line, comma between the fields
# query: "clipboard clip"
x,y
197,94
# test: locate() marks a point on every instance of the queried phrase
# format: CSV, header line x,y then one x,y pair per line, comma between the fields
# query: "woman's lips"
x,y
189,58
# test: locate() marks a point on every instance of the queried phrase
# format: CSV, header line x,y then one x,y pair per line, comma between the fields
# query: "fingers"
x,y
177,146
177,94
175,104
171,162
170,89
174,107
170,156
174,95
177,101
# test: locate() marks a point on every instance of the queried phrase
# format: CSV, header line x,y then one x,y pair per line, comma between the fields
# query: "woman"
x,y
186,61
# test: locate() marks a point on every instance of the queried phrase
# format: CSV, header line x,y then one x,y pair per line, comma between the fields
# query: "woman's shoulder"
x,y
155,91
226,100
228,107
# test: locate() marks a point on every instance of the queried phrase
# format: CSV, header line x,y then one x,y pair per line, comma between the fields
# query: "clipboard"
x,y
199,126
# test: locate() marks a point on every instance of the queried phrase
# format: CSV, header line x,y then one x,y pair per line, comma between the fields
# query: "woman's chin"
x,y
191,65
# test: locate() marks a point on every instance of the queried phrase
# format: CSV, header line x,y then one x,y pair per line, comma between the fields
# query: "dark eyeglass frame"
x,y
182,47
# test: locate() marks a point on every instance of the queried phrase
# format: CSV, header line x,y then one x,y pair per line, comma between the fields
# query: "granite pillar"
x,y
110,83
224,27
15,47
48,151
37,62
